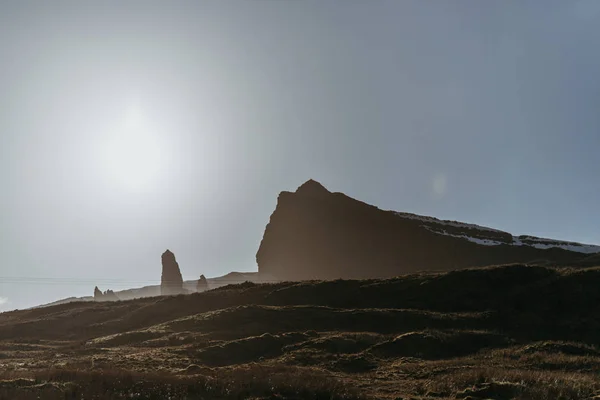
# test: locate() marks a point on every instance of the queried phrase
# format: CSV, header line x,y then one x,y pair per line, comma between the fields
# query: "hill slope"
x,y
154,290
316,234
511,332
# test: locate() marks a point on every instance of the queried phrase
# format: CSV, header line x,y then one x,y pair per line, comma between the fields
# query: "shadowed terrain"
x,y
507,332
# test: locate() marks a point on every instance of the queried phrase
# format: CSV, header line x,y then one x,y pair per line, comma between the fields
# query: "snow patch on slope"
x,y
532,241
483,242
444,222
540,243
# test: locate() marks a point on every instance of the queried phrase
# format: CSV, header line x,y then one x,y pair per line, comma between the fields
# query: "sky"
x,y
127,128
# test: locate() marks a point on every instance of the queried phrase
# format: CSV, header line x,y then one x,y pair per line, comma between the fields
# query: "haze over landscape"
x,y
299,200
129,128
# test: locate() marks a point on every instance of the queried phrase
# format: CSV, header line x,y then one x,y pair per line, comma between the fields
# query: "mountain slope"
x,y
316,234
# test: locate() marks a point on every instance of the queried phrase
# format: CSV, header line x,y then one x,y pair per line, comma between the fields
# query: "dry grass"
x,y
512,332
518,384
242,382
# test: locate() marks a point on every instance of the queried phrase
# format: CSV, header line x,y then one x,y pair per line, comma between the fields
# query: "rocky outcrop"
x,y
202,284
171,281
316,234
108,295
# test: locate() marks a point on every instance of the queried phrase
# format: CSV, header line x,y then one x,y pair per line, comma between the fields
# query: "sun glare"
x,y
132,154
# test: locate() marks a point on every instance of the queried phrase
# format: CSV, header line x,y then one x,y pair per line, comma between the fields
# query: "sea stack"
x,y
202,284
171,281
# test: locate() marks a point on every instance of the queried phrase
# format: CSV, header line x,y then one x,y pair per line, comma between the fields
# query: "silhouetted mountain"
x,y
316,234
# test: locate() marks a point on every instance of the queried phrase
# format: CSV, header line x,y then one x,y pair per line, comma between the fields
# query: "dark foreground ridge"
x,y
509,332
316,234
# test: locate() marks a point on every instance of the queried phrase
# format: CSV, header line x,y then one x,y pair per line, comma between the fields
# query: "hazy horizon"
x,y
130,128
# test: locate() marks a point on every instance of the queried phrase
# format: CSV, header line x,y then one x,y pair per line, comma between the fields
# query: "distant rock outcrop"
x,y
202,284
189,287
108,295
316,234
171,281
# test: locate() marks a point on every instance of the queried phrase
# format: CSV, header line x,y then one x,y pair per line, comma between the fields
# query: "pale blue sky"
x,y
485,112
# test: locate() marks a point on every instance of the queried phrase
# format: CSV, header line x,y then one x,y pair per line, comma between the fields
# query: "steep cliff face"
x,y
316,234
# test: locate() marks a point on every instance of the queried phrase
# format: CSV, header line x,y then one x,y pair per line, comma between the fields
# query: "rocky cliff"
x,y
316,234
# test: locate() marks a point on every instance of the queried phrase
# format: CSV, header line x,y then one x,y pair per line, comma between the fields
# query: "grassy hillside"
x,y
510,332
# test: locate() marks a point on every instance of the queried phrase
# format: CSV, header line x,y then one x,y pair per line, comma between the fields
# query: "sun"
x,y
132,154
